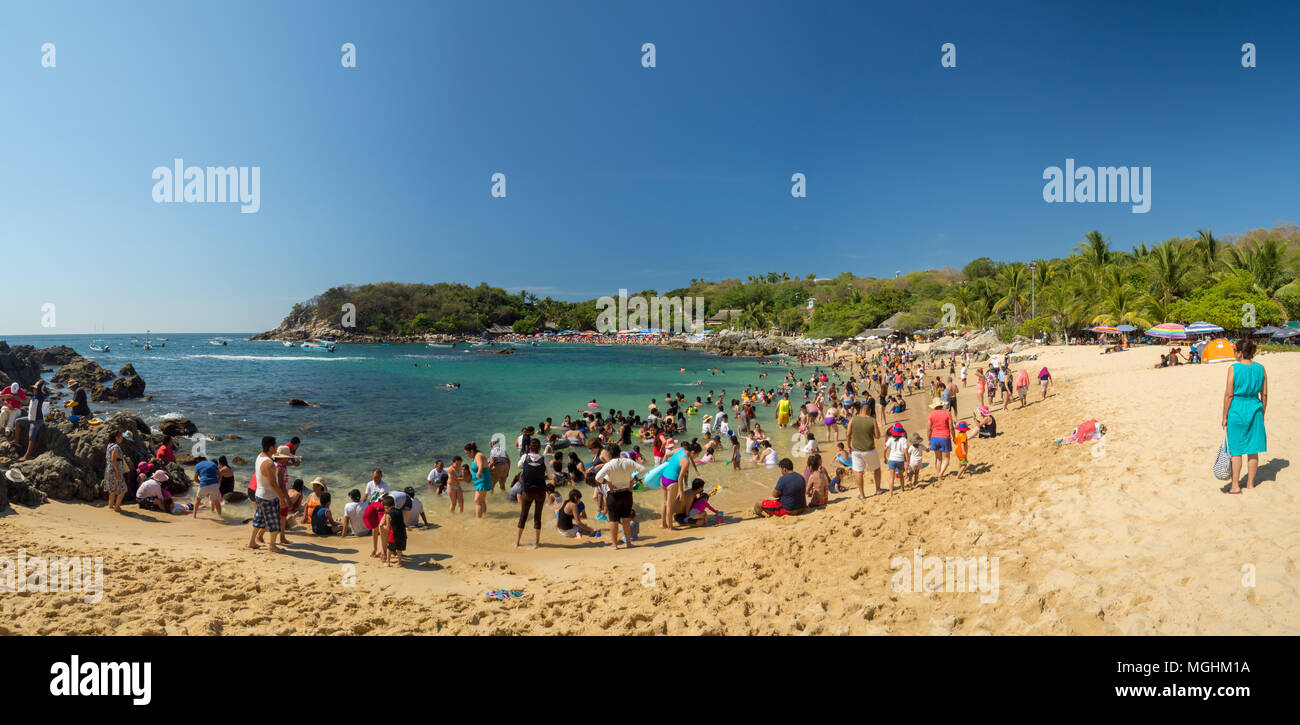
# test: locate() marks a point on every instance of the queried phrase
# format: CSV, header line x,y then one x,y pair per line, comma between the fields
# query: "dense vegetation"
x,y
1183,279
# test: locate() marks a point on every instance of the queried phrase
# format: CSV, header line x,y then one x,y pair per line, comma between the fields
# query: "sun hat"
x,y
916,439
161,476
963,426
897,430
73,384
13,475
984,410
318,481
936,402
285,453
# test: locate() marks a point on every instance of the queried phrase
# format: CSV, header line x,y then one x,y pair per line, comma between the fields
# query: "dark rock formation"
x,y
83,371
127,371
298,403
102,394
178,427
19,364
57,355
131,387
72,460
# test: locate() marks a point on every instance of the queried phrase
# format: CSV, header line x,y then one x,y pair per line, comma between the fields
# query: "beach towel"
x,y
504,594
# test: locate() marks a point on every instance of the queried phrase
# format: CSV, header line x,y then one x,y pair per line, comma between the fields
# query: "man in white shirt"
x,y
411,507
354,512
438,477
617,472
376,488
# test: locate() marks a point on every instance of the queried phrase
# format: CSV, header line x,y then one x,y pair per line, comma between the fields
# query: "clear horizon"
x,y
618,175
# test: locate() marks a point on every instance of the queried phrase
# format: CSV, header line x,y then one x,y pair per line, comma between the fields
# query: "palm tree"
x,y
754,316
1095,249
1121,304
1013,281
1170,266
1208,250
1265,261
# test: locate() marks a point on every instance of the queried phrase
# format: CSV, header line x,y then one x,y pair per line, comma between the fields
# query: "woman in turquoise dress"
x,y
1244,402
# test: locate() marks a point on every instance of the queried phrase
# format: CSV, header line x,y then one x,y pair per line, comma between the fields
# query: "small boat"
x,y
318,346
97,346
287,343
135,342
219,341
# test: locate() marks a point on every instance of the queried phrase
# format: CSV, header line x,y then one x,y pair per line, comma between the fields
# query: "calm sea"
x,y
384,406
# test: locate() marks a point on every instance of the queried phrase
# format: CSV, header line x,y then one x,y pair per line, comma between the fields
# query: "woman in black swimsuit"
x,y
225,477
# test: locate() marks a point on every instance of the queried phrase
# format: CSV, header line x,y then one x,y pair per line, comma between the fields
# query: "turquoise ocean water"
x,y
383,406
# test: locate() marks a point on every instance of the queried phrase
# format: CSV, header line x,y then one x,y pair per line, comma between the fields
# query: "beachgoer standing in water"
x,y
617,473
679,465
533,476
478,468
1244,402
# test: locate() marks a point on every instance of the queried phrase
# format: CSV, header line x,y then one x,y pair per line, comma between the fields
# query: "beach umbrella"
x,y
1105,329
1267,330
1286,333
1125,328
1168,330
1201,328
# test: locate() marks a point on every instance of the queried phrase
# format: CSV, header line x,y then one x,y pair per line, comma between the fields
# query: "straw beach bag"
x,y
1222,463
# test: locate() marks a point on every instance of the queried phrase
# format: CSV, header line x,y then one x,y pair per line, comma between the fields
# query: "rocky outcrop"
x,y
729,343
57,355
131,387
83,371
127,371
298,403
178,427
19,364
72,460
980,342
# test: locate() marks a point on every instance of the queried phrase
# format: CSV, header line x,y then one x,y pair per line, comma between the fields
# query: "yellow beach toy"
x,y
94,421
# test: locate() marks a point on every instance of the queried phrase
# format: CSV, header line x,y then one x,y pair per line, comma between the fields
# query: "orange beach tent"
x,y
1220,350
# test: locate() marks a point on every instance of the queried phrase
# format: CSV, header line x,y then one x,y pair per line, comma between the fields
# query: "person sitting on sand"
x,y
322,520
788,497
818,482
988,425
354,516
567,518
695,515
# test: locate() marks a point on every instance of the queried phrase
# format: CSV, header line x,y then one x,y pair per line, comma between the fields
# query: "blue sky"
x,y
617,175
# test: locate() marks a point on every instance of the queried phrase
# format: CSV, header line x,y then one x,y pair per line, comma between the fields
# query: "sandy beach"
x,y
1132,536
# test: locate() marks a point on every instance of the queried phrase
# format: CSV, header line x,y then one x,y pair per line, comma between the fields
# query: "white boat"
x,y
287,343
97,346
318,346
219,341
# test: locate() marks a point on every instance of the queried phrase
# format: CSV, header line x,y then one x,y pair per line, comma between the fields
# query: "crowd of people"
x,y
857,404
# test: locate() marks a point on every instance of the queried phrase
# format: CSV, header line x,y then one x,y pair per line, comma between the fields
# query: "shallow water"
x,y
383,406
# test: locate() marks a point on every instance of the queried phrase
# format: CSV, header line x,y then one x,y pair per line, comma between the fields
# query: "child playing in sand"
x,y
959,448
835,485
